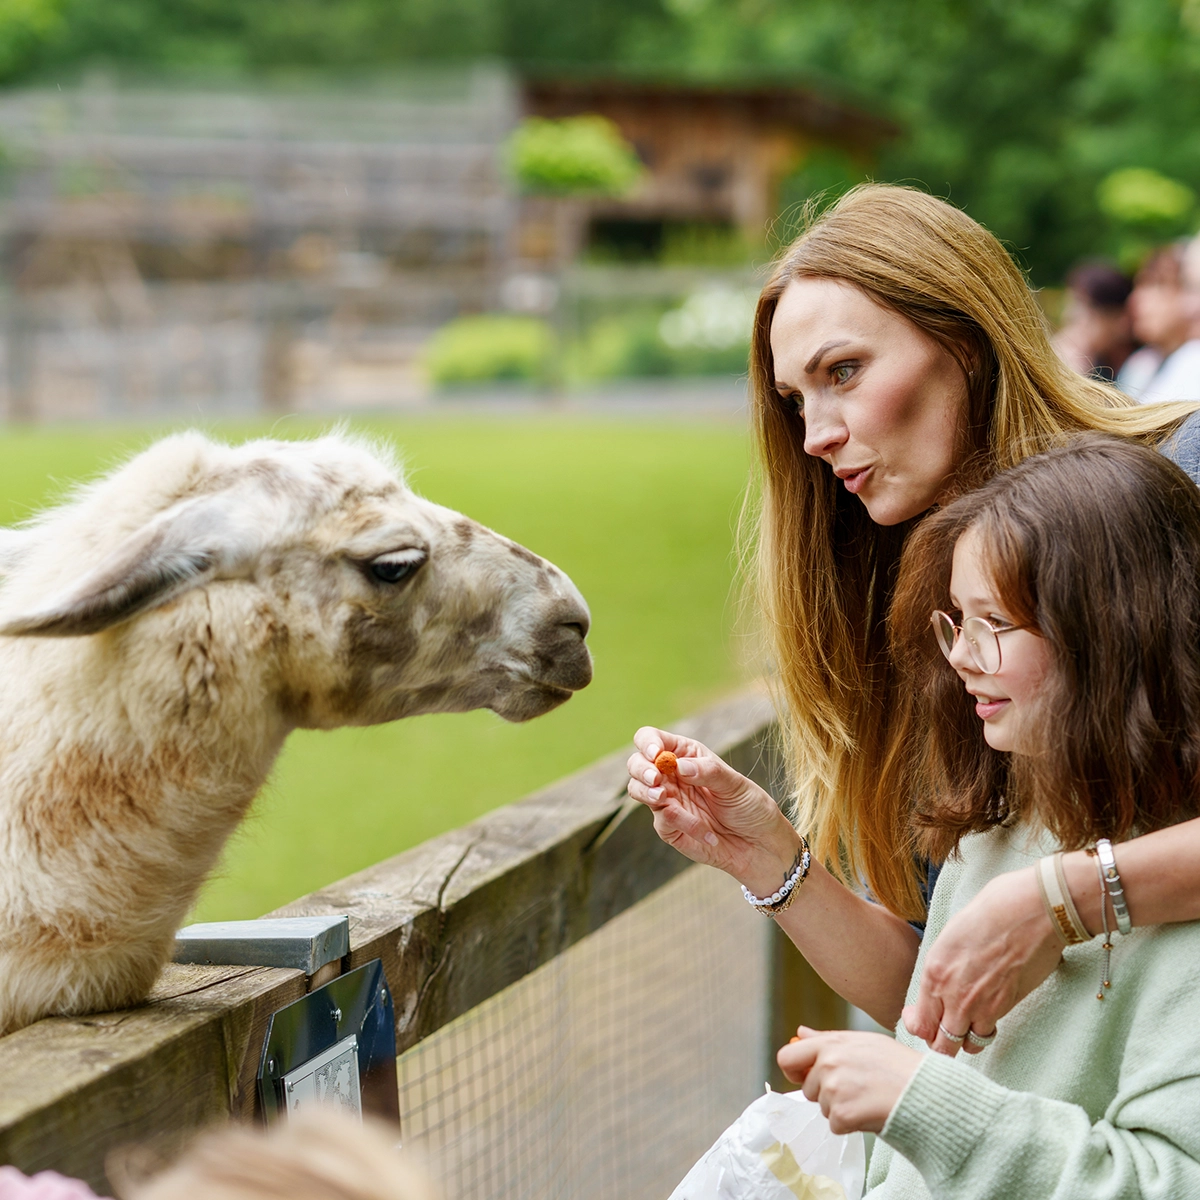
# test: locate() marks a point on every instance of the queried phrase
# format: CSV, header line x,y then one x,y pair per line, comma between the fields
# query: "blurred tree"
x,y
26,26
1015,109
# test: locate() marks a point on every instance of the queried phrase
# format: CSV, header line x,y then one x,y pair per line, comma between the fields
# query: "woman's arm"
x,y
716,816
1002,945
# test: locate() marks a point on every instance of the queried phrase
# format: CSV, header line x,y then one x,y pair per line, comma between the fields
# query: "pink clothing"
x,y
45,1185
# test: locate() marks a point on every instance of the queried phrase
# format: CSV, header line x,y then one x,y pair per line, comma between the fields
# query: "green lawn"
x,y
640,514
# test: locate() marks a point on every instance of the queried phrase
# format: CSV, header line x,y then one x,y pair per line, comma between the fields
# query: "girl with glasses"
x,y
1073,716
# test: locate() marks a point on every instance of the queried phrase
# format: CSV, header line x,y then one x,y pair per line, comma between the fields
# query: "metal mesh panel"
x,y
609,1071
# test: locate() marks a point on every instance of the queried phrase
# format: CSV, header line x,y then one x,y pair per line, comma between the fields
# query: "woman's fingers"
x,y
978,1039
951,1034
797,1057
921,1019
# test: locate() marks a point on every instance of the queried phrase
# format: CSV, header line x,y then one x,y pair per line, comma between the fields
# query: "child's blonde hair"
x,y
322,1156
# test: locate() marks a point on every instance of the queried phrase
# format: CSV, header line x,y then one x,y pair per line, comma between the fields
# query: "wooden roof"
x,y
797,108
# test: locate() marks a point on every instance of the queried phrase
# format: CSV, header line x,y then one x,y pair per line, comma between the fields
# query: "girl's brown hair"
x,y
824,570
1096,546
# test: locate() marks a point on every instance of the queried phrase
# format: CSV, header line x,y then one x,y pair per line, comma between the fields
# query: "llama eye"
x,y
397,567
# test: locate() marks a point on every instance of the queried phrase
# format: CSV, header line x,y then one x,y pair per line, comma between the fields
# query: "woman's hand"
x,y
990,955
856,1078
712,813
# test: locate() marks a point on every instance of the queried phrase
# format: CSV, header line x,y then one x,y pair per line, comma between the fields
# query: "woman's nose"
x,y
824,429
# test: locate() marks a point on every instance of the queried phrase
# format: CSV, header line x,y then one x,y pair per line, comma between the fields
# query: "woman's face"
x,y
883,404
1006,699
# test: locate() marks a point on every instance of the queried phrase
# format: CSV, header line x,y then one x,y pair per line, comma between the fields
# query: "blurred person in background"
x,y
320,1155
1096,335
1166,318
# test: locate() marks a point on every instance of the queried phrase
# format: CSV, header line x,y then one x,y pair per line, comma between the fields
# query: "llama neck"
x,y
129,758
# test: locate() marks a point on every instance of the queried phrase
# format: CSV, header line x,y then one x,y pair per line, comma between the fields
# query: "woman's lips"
x,y
989,708
855,482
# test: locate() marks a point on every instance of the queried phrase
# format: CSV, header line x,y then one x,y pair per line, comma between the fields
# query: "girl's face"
x,y
1003,701
883,404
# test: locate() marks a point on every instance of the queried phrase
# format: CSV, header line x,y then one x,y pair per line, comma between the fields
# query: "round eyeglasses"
x,y
983,639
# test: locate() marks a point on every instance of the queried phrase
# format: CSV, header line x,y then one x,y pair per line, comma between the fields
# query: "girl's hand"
x,y
711,813
990,955
856,1078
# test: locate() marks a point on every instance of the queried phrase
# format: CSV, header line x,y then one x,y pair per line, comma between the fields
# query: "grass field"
x,y
640,514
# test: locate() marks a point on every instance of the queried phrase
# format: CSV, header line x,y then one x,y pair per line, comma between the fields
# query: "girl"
x,y
1066,595
898,359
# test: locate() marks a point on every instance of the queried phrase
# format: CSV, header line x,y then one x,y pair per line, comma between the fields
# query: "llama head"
x,y
377,604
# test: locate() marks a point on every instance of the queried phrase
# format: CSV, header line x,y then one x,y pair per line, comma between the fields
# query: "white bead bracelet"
x,y
776,902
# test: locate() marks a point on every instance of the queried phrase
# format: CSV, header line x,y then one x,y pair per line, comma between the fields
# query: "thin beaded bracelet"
x,y
1107,947
781,900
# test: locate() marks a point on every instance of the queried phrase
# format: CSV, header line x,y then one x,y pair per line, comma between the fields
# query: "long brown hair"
x,y
1096,547
823,568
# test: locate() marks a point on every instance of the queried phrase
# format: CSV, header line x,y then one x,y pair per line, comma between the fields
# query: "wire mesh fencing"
x,y
607,1072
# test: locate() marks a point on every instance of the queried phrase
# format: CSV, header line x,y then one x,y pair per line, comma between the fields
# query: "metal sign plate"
x,y
330,1079
310,1043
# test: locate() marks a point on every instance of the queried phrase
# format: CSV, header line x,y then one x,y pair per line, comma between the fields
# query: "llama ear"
x,y
177,552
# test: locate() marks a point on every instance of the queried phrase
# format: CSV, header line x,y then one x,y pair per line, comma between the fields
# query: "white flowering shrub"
x,y
711,318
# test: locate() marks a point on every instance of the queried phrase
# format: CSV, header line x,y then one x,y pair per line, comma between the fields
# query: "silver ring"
x,y
956,1038
981,1040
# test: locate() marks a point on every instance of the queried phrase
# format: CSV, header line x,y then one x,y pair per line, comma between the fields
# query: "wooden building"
x,y
713,155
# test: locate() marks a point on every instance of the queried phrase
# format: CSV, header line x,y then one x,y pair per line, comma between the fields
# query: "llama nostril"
x,y
580,628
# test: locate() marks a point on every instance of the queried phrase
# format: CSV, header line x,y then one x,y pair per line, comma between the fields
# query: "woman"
x,y
898,359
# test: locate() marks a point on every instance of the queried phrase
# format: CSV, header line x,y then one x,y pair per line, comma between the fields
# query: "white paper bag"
x,y
780,1148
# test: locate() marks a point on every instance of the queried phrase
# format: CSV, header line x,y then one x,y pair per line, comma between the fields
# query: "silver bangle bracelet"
x,y
1112,880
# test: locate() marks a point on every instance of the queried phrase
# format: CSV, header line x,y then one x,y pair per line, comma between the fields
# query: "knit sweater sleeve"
x,y
973,1139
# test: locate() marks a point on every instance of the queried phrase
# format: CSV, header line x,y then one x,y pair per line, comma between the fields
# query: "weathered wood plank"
x,y
75,1088
454,920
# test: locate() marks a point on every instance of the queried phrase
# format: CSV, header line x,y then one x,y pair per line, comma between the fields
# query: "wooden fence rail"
x,y
454,920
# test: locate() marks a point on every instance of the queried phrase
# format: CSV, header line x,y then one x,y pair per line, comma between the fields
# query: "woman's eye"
x,y
841,374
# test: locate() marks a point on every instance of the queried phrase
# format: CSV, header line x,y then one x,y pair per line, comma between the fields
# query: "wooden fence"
x,y
455,921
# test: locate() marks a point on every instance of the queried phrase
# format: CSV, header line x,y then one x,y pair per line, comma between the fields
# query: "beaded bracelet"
x,y
781,900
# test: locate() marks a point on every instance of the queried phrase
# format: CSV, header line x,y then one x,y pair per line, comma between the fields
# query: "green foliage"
x,y
1139,196
1144,208
491,348
26,26
693,243
575,156
1015,111
822,178
576,491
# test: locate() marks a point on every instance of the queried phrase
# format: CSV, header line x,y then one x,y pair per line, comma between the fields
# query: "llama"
x,y
163,632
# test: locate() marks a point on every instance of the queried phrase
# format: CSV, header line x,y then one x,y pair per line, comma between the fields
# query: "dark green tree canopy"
x,y
1017,110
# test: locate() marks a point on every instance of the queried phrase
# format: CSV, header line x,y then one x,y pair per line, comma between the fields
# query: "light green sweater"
x,y
1077,1098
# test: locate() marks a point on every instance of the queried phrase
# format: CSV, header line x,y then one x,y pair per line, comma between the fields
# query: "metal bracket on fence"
x,y
309,944
336,1046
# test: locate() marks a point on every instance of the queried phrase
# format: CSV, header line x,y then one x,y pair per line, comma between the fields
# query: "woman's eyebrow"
x,y
811,365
